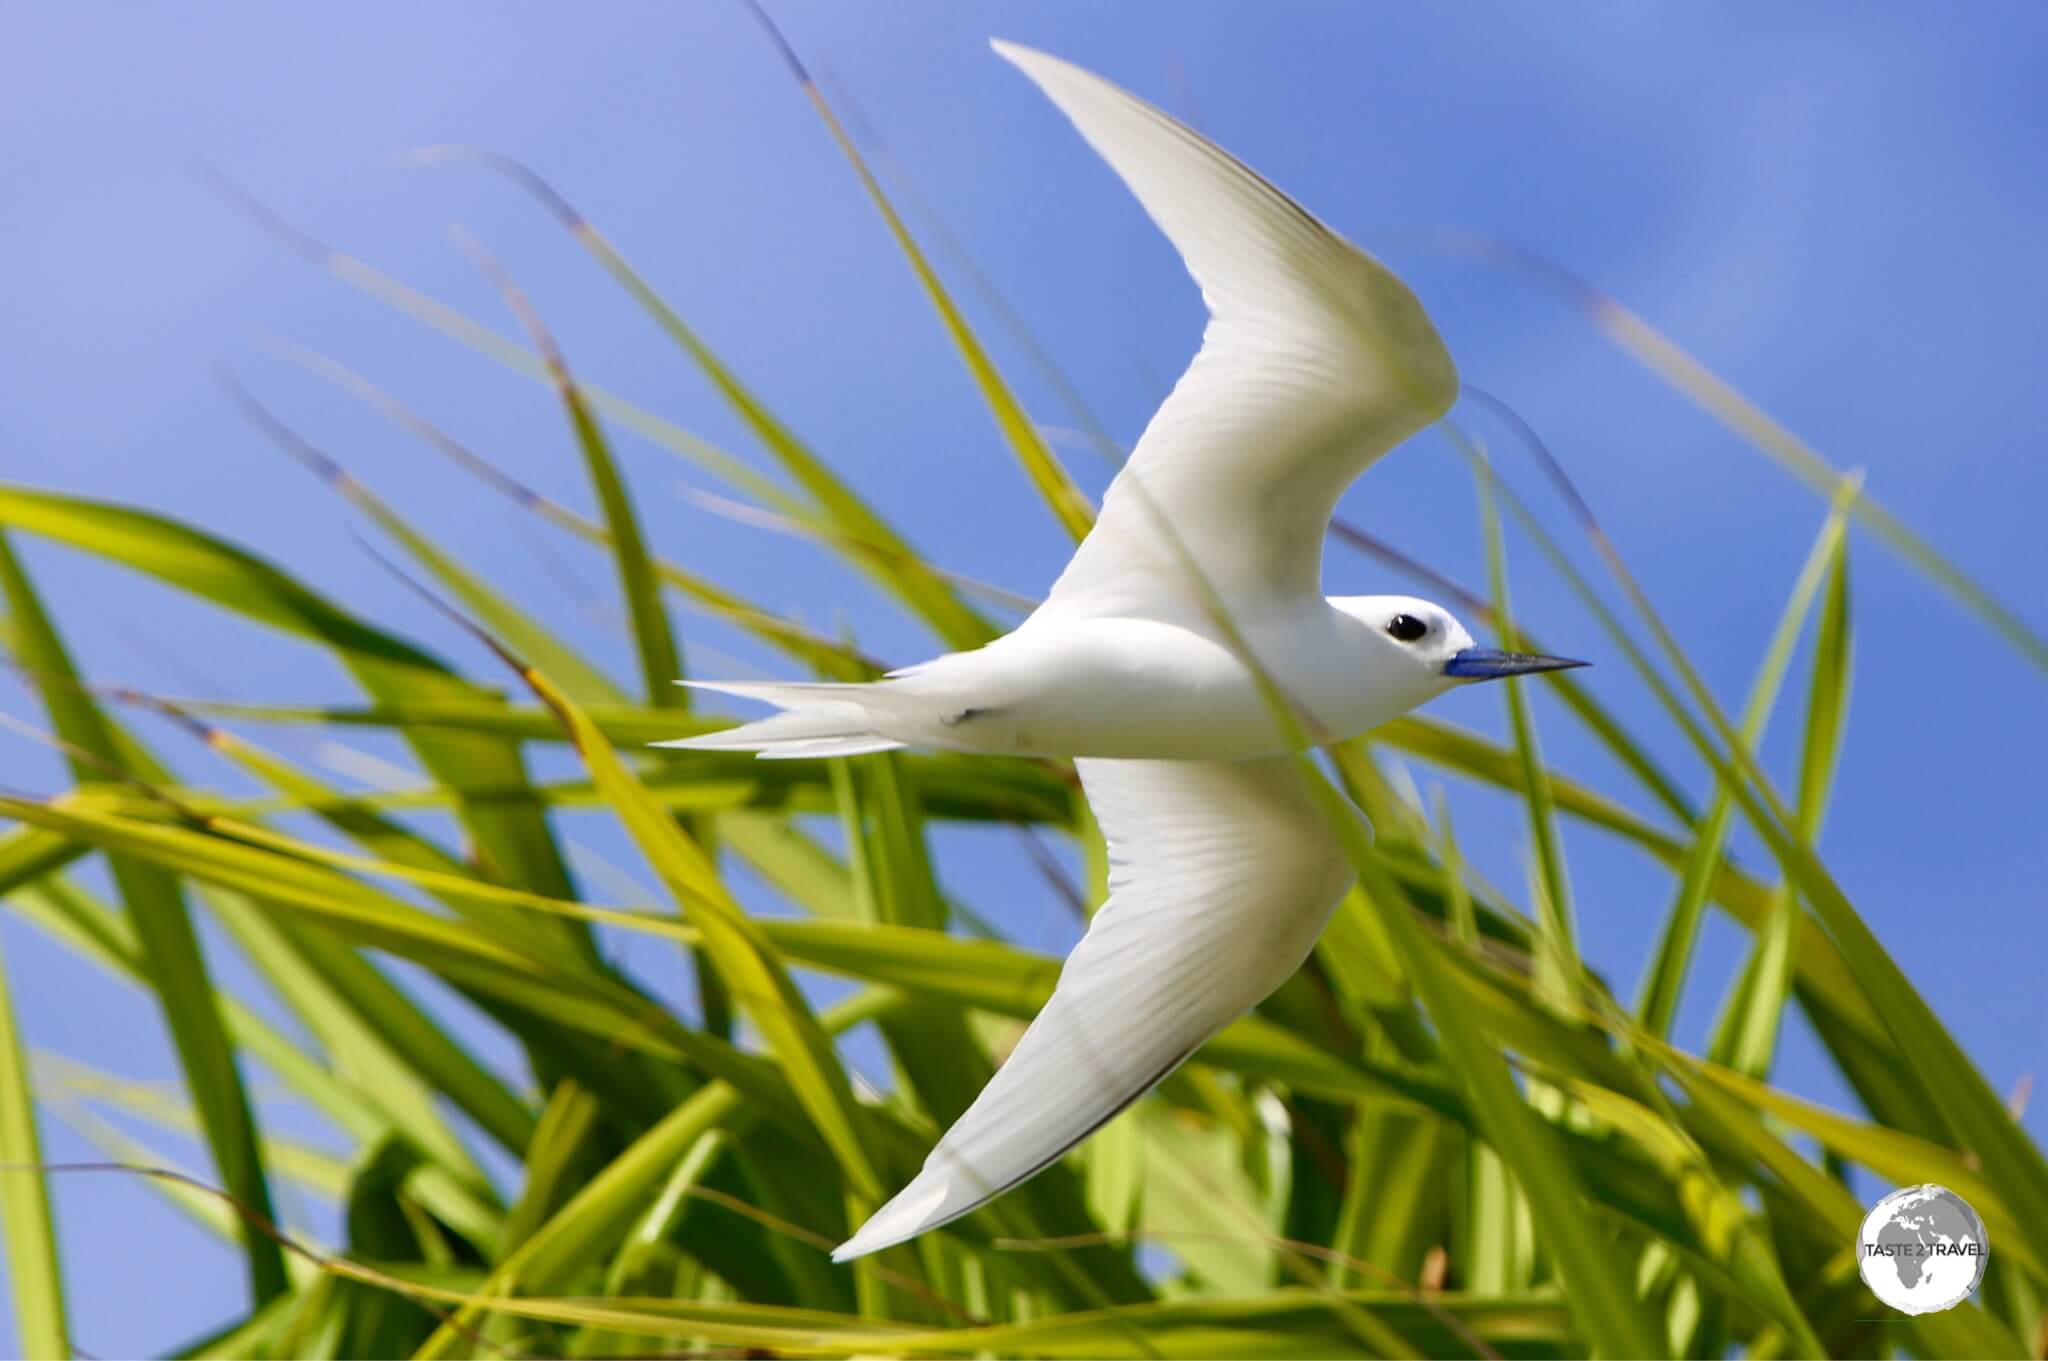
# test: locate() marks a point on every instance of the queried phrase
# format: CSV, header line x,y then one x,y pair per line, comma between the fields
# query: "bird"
x,y
1202,570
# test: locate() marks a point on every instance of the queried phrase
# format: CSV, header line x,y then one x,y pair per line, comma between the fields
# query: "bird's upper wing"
x,y
1221,877
1315,362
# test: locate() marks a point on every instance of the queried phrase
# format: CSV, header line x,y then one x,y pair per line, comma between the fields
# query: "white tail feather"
x,y
817,720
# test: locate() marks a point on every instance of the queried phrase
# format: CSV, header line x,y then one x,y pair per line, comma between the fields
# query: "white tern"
x,y
1315,362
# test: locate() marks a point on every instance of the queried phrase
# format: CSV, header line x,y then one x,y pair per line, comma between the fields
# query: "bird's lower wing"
x,y
1316,361
1221,877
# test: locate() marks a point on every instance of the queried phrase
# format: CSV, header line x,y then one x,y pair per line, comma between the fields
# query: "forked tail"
x,y
817,719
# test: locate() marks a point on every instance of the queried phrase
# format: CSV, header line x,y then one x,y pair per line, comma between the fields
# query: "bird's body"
x,y
1131,688
1201,577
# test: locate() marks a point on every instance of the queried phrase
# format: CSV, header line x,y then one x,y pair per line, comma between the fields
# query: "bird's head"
x,y
1423,644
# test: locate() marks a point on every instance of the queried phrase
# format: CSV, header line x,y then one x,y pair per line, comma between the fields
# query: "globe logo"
x,y
1922,1249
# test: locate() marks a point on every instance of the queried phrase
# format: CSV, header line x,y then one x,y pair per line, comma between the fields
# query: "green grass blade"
x,y
537,986
1012,790
941,1066
34,1272
873,544
606,1205
94,932
983,974
817,651
660,663
1603,1299
1558,947
1950,1081
1021,791
1069,505
1464,923
1283,1323
1827,708
1747,1035
1664,981
1797,862
1958,1090
487,342
1760,429
28,854
1604,1303
1634,755
1893,1155
1396,1208
1829,988
503,617
512,834
636,1268
366,1023
792,861
1657,352
749,962
1741,1258
558,1159
1089,431
503,914
953,787
78,1089
360,819
1824,1209
156,907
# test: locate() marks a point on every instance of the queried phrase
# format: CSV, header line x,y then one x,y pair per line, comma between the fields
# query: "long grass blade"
x,y
660,663
156,907
817,651
504,618
1442,1137
744,956
1747,1035
1603,1302
1023,792
607,1204
510,832
1558,948
876,546
1658,353
35,1274
1604,1305
1952,1084
1664,982
93,931
1069,505
28,854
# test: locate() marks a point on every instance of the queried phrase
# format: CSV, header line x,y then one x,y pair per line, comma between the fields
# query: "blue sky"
x,y
1837,208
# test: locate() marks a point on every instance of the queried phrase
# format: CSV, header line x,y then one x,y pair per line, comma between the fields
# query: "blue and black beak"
x,y
1489,663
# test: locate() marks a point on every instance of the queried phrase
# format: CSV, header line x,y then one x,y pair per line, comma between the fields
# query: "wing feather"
x,y
1316,361
1221,877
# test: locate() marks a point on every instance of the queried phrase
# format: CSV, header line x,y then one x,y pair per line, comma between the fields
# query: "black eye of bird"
x,y
1406,627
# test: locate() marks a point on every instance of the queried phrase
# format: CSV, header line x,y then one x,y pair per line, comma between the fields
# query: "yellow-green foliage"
x,y
1447,1137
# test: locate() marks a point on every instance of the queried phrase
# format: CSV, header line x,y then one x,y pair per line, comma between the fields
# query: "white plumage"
x,y
1221,877
1315,362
